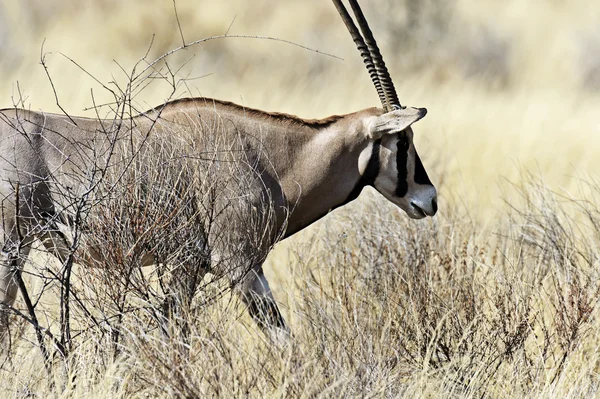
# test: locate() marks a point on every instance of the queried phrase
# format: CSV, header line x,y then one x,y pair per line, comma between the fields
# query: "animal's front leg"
x,y
257,295
12,261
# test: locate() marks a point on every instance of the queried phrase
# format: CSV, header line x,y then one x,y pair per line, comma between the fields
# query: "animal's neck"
x,y
323,174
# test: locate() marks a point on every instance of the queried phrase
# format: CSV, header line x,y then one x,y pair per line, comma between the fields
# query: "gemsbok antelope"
x,y
305,168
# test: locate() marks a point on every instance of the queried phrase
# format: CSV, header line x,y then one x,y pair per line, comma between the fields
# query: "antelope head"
x,y
390,162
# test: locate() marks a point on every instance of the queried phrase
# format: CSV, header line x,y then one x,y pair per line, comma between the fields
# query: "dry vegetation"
x,y
495,297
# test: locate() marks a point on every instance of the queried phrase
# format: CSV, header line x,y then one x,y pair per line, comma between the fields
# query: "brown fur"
x,y
252,112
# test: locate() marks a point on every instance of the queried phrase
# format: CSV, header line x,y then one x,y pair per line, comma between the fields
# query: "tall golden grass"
x,y
495,297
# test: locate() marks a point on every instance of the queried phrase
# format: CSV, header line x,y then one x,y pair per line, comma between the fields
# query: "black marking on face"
x,y
370,174
420,173
372,169
401,164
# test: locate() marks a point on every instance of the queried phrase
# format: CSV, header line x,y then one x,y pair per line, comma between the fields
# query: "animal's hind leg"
x,y
180,289
257,295
179,286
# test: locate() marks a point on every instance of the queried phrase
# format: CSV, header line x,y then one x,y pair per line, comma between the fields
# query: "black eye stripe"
x,y
401,165
373,165
403,143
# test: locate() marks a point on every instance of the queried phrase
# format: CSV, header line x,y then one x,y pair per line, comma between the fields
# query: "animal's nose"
x,y
428,204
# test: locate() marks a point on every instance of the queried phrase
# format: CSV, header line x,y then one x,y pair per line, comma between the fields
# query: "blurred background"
x,y
510,86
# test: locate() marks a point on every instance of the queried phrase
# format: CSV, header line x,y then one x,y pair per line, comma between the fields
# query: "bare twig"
x,y
43,62
179,24
230,25
168,53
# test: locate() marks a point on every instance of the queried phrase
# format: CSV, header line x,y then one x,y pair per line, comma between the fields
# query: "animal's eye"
x,y
403,143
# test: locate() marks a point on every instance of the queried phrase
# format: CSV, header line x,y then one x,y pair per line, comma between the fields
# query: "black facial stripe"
x,y
371,172
420,173
372,169
401,165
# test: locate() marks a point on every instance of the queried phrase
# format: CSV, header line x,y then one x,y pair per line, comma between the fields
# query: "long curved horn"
x,y
363,50
382,71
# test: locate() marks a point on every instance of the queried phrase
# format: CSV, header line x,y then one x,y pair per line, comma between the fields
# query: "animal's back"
x,y
34,143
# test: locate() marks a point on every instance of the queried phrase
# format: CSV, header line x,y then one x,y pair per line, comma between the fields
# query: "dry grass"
x,y
427,309
496,297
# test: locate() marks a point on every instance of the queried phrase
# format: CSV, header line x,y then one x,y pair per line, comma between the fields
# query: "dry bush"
x,y
184,197
182,204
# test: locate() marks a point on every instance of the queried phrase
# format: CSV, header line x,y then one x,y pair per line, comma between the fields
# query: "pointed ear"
x,y
395,121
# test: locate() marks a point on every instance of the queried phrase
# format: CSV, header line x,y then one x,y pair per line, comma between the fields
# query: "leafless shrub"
x,y
143,191
187,205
